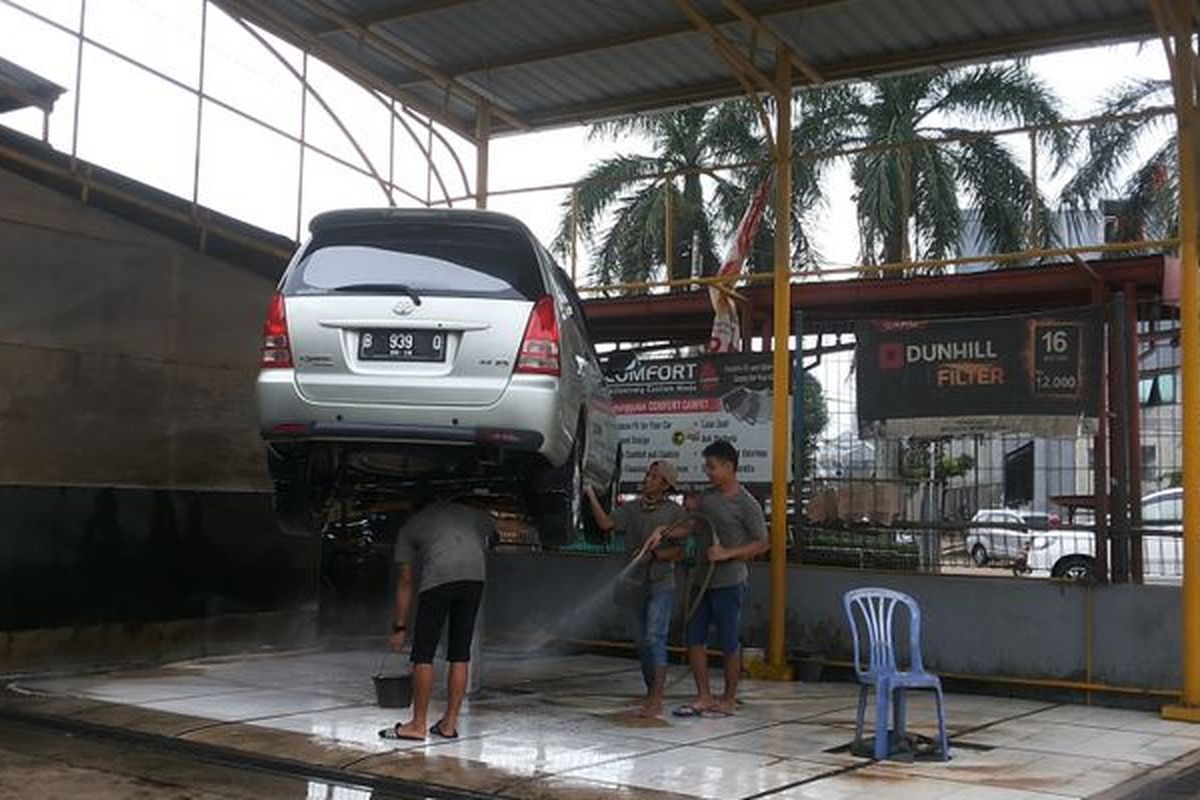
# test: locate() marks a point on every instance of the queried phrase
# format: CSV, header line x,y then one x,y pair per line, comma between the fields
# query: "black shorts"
x,y
460,602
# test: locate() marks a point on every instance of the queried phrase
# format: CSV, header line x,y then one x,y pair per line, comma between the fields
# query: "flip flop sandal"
x,y
436,730
393,734
687,711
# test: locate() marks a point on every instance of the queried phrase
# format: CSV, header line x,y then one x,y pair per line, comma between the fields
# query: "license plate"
x,y
396,345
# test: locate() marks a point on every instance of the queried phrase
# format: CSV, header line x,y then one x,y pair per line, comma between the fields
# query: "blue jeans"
x,y
652,621
721,607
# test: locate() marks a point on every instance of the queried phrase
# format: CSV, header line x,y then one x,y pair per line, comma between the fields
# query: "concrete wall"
x,y
128,358
133,486
1010,627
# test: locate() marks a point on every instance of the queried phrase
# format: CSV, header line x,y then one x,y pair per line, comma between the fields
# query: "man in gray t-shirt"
x,y
737,521
446,544
739,535
651,588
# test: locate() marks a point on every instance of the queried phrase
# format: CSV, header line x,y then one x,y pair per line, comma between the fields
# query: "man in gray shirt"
x,y
739,535
446,542
653,579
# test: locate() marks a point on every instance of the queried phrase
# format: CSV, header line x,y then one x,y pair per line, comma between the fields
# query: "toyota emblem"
x,y
404,307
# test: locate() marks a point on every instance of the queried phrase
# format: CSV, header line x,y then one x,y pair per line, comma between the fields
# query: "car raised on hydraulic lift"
x,y
405,347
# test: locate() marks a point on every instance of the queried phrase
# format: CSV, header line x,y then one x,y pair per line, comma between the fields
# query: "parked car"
x,y
405,346
1004,535
1071,553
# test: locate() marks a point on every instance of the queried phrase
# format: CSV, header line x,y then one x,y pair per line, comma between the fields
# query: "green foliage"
x,y
907,199
816,420
915,459
1147,192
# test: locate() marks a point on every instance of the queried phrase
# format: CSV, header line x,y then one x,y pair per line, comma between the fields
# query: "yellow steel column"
x,y
483,132
777,666
669,231
1183,74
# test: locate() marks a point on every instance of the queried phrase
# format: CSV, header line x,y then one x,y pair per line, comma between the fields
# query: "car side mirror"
x,y
620,362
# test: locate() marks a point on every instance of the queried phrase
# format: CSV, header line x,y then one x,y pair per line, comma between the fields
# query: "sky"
x,y
146,127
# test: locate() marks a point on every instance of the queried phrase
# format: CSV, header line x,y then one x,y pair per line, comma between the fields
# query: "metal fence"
x,y
988,504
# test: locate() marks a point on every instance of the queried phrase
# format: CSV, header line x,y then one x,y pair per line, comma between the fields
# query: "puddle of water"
x,y
318,790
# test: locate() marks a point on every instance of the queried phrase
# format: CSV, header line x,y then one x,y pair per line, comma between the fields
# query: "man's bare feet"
x,y
651,710
724,707
411,732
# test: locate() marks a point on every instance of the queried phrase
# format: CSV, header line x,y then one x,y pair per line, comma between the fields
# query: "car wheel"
x,y
301,490
559,505
979,555
608,499
1074,568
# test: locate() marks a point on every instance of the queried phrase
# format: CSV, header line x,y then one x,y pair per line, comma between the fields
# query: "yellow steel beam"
x,y
780,434
387,44
483,122
289,30
758,26
631,38
389,14
742,66
902,266
1178,18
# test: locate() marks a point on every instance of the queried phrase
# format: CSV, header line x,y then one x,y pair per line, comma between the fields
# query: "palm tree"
x,y
706,202
908,198
1147,190
628,186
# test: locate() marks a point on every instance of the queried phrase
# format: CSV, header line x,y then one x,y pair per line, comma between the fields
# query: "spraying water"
x,y
573,618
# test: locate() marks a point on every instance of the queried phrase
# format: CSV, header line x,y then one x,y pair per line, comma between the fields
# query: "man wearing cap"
x,y
638,520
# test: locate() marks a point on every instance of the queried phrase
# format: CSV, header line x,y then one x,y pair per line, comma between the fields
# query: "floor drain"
x,y
913,747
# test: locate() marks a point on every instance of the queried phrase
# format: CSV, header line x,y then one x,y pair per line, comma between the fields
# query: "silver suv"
x,y
405,347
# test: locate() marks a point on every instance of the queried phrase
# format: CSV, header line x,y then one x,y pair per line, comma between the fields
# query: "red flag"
x,y
726,332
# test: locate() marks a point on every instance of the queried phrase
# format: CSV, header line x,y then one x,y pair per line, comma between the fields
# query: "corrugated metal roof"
x,y
540,63
20,88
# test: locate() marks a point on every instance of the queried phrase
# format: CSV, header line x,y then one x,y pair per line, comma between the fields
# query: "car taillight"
x,y
539,349
276,347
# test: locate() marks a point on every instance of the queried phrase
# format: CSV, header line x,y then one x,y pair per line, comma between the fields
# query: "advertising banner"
x,y
674,408
1037,374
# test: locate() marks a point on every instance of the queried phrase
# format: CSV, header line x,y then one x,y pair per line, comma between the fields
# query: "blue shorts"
x,y
722,607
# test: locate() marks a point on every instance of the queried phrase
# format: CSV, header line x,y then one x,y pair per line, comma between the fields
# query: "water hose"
x,y
700,573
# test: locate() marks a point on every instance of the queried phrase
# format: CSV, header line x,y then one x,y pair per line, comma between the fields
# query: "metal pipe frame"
x,y
388,45
777,665
367,169
1175,21
819,155
898,266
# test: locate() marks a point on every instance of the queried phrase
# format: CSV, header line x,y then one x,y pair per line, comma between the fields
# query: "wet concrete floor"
x,y
37,763
557,726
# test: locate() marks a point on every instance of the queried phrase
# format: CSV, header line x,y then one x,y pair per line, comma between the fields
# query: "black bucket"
x,y
393,691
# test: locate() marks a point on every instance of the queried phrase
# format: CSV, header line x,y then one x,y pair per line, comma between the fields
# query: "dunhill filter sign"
x,y
1036,374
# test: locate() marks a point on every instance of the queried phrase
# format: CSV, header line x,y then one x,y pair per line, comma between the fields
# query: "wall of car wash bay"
x,y
1019,634
135,513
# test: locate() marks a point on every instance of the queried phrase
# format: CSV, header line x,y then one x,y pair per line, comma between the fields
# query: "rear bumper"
x,y
529,417
513,439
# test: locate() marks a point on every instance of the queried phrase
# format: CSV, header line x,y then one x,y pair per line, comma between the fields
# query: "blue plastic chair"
x,y
876,609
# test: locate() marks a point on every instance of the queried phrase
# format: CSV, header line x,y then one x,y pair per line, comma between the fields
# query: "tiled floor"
x,y
556,726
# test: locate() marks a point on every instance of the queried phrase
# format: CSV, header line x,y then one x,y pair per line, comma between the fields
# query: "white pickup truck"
x,y
1070,553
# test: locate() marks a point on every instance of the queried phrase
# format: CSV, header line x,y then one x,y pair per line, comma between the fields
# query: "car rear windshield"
x,y
458,260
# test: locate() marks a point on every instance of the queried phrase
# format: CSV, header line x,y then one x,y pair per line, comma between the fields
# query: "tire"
x,y
558,505
1075,568
592,532
979,555
300,490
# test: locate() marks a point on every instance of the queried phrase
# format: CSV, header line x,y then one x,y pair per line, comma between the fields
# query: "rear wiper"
x,y
381,288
